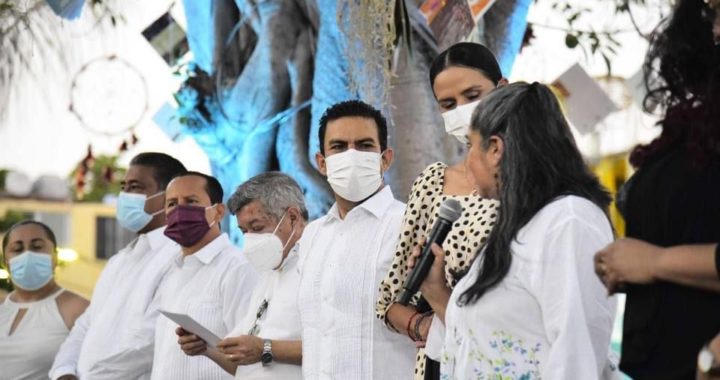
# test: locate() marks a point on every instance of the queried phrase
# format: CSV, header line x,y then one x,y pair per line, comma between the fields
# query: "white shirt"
x,y
550,317
113,339
28,352
342,264
212,286
280,321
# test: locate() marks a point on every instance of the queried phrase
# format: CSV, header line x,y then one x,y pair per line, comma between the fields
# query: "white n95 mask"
x,y
264,251
457,121
354,175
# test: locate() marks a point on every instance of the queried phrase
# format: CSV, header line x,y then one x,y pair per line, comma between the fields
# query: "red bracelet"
x,y
407,329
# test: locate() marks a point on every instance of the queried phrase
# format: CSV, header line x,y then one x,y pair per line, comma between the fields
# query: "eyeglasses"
x,y
255,329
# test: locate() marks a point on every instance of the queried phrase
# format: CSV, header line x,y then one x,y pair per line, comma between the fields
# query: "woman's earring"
x,y
497,182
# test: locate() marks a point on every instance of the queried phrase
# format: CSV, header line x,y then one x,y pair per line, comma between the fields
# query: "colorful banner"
x,y
453,20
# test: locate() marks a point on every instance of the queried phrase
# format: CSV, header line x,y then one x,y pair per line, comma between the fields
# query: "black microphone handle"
x,y
422,266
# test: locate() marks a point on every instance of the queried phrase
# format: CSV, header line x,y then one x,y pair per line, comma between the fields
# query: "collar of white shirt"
x,y
157,238
375,205
207,253
291,257
148,242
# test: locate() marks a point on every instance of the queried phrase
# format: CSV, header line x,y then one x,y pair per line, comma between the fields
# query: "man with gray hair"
x,y
270,211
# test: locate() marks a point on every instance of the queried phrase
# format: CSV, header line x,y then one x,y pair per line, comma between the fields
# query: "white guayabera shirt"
x,y
114,338
342,262
280,320
212,286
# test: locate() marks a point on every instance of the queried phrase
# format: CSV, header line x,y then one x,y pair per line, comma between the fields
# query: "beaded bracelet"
x,y
407,329
418,335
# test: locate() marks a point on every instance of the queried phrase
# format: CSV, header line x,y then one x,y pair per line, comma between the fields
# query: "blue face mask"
x,y
131,210
31,270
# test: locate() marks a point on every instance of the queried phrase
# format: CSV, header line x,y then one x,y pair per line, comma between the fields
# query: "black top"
x,y
668,203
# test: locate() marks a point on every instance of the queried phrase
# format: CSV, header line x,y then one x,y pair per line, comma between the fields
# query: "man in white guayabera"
x,y
345,254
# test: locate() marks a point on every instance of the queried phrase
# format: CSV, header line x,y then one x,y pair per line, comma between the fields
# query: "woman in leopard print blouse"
x,y
460,77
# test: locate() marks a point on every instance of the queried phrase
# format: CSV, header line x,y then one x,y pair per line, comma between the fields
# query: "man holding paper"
x,y
210,282
271,212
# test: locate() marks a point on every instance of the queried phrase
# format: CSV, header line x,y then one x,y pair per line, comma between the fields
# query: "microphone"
x,y
450,211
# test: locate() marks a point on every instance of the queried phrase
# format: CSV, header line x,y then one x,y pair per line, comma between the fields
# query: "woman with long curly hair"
x,y
672,200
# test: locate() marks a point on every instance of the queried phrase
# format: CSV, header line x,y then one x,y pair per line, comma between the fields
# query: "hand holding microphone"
x,y
450,211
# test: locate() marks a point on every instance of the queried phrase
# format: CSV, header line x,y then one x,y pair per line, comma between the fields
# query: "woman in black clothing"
x,y
638,262
674,198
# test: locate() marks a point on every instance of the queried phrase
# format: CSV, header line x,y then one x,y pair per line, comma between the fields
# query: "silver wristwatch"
x,y
267,356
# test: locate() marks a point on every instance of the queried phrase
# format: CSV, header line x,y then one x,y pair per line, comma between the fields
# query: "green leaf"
x,y
571,41
612,40
573,17
607,63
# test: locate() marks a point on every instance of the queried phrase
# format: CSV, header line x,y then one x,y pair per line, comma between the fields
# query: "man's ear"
x,y
320,161
220,208
502,82
294,214
387,159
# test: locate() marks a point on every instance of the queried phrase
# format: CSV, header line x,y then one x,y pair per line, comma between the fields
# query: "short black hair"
x,y
353,108
212,186
164,167
50,234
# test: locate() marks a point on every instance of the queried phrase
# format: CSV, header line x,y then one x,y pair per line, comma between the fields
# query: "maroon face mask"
x,y
186,225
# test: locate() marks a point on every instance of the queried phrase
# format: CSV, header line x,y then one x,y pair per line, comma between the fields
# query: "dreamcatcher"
x,y
109,97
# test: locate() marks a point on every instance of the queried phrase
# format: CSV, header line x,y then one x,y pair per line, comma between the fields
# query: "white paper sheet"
x,y
191,325
585,101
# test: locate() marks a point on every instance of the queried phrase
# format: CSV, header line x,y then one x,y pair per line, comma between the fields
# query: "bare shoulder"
x,y
71,306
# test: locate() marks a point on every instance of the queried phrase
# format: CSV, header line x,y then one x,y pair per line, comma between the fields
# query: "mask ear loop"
x,y
214,221
278,226
279,222
153,196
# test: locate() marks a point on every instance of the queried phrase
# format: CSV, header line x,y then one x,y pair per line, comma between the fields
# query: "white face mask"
x,y
354,175
457,121
265,250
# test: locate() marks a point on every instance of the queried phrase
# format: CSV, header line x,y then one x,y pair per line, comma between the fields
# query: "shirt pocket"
x,y
209,314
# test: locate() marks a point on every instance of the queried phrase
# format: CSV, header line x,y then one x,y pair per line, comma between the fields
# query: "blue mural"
x,y
264,72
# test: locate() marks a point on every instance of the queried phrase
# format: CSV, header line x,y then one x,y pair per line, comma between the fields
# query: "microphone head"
x,y
450,210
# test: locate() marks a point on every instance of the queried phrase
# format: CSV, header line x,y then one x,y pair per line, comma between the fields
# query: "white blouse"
x,y
28,352
550,317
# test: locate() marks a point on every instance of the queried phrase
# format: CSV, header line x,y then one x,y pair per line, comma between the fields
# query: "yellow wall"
x,y
613,171
80,275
